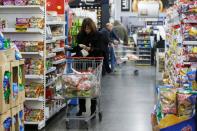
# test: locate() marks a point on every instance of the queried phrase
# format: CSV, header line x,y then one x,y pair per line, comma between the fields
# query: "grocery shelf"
x,y
35,99
34,123
51,69
144,60
50,41
56,111
55,38
148,51
190,21
22,8
58,49
59,38
55,22
34,77
145,55
125,51
29,31
50,55
59,61
32,53
190,43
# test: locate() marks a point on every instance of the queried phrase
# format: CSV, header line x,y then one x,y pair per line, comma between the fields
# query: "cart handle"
x,y
87,58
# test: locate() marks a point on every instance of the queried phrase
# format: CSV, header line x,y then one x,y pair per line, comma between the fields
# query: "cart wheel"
x,y
100,116
136,72
86,124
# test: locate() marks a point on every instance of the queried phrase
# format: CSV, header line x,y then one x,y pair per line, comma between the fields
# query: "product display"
x,y
34,90
144,48
44,68
177,102
12,92
21,2
33,115
29,46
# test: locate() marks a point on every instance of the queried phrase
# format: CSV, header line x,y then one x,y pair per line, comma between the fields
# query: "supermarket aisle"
x,y
127,103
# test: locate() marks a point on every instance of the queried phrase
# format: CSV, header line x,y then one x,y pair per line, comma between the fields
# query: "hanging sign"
x,y
125,5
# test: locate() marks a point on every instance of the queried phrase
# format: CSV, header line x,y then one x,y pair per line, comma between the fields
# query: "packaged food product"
x,y
22,20
170,119
35,2
186,103
168,100
8,2
20,2
191,75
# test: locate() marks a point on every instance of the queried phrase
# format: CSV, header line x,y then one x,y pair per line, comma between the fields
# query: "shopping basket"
x,y
82,79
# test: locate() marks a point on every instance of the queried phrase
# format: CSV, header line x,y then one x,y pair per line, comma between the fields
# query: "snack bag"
x,y
168,100
170,120
186,103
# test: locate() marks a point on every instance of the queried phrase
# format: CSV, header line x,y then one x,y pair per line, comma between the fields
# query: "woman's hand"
x,y
82,46
87,48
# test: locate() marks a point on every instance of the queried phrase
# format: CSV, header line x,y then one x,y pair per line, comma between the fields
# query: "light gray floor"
x,y
127,103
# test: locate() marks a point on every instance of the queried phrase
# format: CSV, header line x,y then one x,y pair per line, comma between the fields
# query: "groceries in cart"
x,y
81,84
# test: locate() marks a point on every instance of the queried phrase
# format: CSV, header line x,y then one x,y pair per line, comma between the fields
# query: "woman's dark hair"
x,y
88,22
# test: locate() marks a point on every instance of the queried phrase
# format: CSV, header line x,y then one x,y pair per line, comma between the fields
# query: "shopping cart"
x,y
82,80
125,54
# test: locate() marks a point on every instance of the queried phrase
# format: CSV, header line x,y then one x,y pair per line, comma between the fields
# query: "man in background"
x,y
110,38
121,32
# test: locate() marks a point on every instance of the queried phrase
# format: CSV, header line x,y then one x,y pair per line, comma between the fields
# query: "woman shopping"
x,y
89,44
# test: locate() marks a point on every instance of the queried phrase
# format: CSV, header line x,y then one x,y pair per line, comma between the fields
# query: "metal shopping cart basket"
x,y
126,54
82,80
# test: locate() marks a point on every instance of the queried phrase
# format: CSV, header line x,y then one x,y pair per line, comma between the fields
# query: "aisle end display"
x,y
177,98
39,34
12,81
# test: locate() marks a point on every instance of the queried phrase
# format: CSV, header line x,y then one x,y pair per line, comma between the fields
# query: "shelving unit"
x,y
55,48
10,13
29,30
143,49
48,78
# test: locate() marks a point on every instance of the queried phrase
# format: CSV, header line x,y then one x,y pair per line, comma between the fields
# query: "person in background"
x,y
89,44
110,38
121,32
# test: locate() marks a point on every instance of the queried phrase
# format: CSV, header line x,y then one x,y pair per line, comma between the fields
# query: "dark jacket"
x,y
94,41
110,35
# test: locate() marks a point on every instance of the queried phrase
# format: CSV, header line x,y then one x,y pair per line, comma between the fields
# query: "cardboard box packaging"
x,y
22,80
7,56
3,118
15,118
14,80
5,105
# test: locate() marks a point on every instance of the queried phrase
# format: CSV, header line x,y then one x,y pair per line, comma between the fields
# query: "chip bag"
x,y
168,100
186,103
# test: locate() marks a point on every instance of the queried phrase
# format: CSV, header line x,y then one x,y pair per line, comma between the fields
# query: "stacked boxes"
x,y
17,114
5,87
21,82
14,83
6,119
12,93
